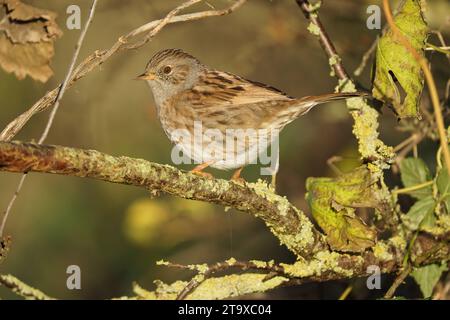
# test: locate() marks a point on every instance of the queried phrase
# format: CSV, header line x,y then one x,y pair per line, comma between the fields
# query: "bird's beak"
x,y
145,76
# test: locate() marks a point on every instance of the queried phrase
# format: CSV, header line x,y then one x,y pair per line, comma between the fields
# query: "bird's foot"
x,y
198,170
236,177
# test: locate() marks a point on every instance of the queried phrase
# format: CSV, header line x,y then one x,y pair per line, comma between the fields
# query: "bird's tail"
x,y
334,96
292,109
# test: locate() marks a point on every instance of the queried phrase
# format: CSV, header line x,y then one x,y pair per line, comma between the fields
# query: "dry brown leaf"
x,y
26,39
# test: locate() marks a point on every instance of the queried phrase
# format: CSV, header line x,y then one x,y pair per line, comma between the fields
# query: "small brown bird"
x,y
219,119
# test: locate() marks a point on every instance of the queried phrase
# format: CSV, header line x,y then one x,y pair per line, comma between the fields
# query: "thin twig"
x,y
54,111
100,56
68,74
397,282
324,39
406,142
162,24
413,188
429,79
365,58
432,47
346,292
407,149
11,203
368,54
441,39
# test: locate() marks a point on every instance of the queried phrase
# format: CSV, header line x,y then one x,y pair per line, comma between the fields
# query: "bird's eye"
x,y
167,69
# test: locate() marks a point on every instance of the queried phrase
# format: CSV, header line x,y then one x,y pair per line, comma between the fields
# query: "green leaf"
x,y
396,69
427,277
414,171
333,203
422,212
443,185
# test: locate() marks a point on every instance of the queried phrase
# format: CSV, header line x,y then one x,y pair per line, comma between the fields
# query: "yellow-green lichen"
x,y
264,190
365,127
262,264
323,261
314,7
332,61
235,285
201,268
381,251
231,261
300,240
313,28
142,293
444,221
399,242
162,263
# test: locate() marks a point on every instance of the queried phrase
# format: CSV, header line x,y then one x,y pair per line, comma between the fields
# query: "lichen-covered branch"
x,y
22,289
323,266
287,222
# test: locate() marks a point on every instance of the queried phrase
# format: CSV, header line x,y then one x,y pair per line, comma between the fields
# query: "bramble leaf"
x,y
421,213
443,185
414,171
427,277
333,203
397,72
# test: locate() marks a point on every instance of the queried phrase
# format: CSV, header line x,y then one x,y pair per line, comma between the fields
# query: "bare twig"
x,y
54,111
100,56
441,39
346,292
63,87
324,39
162,24
362,65
11,203
365,58
397,282
413,188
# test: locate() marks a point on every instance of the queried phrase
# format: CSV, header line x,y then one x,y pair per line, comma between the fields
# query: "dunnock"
x,y
193,98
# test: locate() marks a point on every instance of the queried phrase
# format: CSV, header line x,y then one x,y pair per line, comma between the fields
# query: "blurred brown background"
x,y
116,233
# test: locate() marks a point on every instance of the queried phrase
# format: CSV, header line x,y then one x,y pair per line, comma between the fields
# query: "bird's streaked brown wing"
x,y
224,100
218,88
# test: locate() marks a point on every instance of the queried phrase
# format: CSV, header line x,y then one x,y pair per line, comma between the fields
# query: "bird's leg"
x,y
198,170
237,176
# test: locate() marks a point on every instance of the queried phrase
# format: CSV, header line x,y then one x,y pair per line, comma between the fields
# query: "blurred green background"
x,y
116,233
